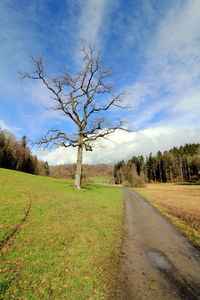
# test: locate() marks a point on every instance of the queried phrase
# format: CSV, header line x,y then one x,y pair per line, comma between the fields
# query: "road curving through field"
x,y
158,263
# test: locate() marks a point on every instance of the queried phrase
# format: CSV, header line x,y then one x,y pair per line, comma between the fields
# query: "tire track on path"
x,y
16,229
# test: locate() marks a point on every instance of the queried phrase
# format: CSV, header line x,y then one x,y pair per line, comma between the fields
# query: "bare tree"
x,y
78,97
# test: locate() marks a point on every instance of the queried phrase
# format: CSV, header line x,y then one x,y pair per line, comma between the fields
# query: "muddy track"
x,y
158,263
16,229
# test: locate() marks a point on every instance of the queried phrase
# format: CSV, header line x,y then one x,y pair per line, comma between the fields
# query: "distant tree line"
x,y
69,170
16,155
176,165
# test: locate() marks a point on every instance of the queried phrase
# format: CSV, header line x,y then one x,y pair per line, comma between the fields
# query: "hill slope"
x,y
57,242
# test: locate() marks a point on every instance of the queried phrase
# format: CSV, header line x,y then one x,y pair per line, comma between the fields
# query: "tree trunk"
x,y
181,168
78,176
170,174
160,172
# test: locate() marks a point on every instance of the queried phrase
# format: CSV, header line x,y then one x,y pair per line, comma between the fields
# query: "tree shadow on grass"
x,y
92,187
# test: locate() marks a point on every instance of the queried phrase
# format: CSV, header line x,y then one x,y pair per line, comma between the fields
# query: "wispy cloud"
x,y
91,20
93,23
171,74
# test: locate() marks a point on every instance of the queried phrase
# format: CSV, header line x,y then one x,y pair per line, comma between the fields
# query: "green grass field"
x,y
68,246
100,179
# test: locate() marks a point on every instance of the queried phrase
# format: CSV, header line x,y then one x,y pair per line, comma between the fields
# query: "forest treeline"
x,y
179,164
16,155
68,171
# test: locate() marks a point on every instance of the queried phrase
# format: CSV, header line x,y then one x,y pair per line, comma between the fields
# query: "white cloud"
x,y
123,145
58,156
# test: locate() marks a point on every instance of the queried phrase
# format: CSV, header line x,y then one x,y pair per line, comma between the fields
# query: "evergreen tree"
x,y
17,156
177,164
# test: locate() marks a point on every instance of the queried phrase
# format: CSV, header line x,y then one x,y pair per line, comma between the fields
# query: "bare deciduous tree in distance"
x,y
78,97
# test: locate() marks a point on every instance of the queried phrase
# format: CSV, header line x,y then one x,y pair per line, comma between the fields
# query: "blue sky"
x,y
153,47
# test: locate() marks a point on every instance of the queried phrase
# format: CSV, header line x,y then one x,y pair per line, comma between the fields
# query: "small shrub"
x,y
139,182
126,184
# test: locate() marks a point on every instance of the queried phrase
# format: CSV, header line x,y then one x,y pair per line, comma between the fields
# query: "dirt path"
x,y
158,263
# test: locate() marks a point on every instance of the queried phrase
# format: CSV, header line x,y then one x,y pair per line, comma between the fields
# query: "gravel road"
x,y
158,263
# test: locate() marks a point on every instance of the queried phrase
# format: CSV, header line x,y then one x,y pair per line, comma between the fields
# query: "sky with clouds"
x,y
153,46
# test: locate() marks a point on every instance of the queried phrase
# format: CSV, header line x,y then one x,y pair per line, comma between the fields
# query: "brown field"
x,y
181,203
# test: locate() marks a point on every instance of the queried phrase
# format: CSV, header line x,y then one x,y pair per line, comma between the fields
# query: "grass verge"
x,y
69,245
180,204
100,179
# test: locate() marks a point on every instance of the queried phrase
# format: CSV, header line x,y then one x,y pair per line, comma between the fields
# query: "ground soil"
x,y
157,263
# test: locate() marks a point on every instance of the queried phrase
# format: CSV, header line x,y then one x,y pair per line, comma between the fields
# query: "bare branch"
x,y
77,95
116,101
91,136
57,137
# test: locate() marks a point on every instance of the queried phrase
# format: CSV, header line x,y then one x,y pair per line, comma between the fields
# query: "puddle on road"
x,y
159,260
181,287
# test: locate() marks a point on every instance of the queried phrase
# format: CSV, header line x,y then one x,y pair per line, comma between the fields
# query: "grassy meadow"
x,y
67,244
100,179
178,202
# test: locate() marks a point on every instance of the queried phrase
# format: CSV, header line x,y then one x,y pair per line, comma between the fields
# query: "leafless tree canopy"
x,y
78,97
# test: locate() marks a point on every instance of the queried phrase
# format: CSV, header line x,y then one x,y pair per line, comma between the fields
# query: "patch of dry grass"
x,y
181,203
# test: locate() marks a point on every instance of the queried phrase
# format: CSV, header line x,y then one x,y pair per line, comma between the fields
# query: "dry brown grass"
x,y
179,201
